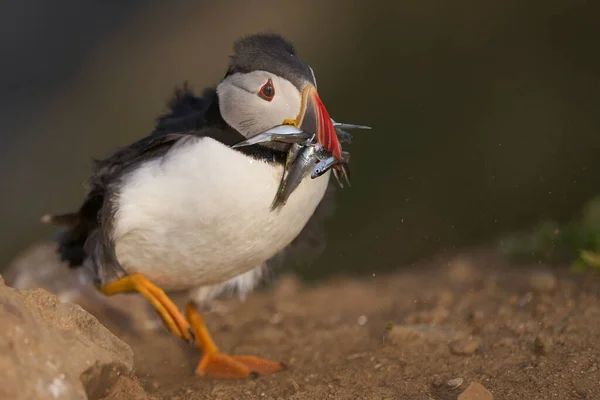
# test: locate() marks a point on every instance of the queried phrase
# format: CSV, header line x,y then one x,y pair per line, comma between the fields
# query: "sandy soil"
x,y
425,332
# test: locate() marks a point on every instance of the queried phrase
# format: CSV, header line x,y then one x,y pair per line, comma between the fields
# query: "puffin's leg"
x,y
168,311
218,365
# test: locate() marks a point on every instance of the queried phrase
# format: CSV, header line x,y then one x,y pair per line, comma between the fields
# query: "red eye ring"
x,y
267,91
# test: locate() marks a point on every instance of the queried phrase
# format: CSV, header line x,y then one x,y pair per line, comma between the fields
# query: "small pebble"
x,y
454,383
507,341
476,391
276,319
437,381
520,329
356,355
466,346
543,281
542,344
526,299
362,320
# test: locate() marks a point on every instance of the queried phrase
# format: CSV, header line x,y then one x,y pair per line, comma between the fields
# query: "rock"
x,y
476,391
111,382
454,383
40,267
465,346
47,346
543,281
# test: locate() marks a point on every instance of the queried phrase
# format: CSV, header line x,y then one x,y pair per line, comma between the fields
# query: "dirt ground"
x,y
424,332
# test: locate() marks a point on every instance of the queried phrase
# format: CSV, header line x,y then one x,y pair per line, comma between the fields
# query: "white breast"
x,y
201,215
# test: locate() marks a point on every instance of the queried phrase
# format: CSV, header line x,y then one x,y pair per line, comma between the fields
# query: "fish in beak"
x,y
287,133
299,161
314,139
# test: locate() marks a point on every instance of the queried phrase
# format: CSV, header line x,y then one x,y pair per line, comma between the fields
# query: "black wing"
x,y
188,115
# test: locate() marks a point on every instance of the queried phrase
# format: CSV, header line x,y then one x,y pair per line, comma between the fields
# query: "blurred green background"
x,y
485,113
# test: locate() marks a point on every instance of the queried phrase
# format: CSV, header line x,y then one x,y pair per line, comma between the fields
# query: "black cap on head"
x,y
272,53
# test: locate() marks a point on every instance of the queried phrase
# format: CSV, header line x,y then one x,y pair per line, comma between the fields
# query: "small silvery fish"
x,y
291,134
341,125
299,162
282,133
343,136
303,154
324,166
327,161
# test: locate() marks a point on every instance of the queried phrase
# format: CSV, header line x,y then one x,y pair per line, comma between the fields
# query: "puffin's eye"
x,y
267,91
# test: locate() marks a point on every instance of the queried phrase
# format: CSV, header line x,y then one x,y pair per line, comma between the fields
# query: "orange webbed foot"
x,y
224,366
218,365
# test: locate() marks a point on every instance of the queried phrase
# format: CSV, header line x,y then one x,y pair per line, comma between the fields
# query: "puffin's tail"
x,y
71,236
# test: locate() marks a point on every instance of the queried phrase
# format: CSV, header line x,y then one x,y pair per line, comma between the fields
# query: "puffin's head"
x,y
267,85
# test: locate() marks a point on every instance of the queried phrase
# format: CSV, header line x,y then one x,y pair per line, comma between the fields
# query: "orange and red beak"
x,y
315,119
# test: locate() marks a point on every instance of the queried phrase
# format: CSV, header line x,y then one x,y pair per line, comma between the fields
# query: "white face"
x,y
245,107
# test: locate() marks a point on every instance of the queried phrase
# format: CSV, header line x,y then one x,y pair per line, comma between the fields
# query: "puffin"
x,y
185,209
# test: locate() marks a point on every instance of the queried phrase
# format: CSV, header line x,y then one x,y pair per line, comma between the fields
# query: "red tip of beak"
x,y
326,134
